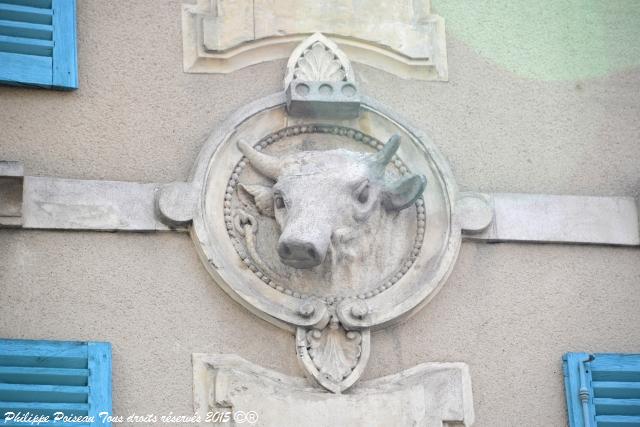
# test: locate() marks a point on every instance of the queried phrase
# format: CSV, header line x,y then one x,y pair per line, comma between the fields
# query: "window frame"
x,y
602,389
57,71
43,376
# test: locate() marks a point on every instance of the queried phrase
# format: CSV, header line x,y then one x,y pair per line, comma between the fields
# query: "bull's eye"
x,y
363,193
279,201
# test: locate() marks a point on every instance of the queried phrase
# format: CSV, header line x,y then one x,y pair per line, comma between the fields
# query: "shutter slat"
x,y
44,348
605,406
617,421
44,354
28,70
26,29
612,382
44,362
80,373
613,375
41,408
615,367
43,393
617,389
31,3
35,15
37,29
26,46
50,376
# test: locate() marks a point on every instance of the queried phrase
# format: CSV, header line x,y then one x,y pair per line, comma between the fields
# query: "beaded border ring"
x,y
356,135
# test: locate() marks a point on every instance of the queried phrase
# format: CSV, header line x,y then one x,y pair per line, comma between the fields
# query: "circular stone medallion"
x,y
299,218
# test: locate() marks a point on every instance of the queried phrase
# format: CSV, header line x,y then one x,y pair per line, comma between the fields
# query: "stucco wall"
x,y
509,310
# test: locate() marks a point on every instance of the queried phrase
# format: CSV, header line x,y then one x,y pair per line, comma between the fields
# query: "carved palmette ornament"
x,y
333,356
318,59
319,63
328,226
334,351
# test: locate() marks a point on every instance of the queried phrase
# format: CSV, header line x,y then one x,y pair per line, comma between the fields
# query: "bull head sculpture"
x,y
320,197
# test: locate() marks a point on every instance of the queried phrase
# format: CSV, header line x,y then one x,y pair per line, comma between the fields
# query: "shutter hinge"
x,y
584,392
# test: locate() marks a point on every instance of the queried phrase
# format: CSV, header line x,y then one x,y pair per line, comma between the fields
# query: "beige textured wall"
x,y
509,310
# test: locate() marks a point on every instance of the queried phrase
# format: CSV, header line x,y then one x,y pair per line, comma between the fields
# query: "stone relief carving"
x,y
333,356
317,223
334,351
318,59
319,81
317,63
323,228
427,395
302,212
403,38
334,212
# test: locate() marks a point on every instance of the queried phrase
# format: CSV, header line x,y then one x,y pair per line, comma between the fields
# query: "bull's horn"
x,y
267,165
384,156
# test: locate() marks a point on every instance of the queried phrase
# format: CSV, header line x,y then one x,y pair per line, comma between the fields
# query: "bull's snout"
x,y
300,254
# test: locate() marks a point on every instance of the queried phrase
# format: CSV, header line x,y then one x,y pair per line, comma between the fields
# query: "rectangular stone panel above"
x,y
403,38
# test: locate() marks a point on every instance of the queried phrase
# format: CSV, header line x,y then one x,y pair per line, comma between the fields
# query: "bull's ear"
x,y
261,195
403,192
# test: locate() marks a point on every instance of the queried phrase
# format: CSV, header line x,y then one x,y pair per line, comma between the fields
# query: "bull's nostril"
x,y
312,253
285,250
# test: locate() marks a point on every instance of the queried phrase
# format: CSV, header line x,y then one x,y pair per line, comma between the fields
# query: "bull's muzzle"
x,y
300,254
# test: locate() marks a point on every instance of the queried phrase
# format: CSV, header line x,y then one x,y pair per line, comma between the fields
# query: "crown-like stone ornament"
x,y
319,81
318,59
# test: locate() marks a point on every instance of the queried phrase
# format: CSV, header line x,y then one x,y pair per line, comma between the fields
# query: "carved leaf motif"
x,y
334,351
319,64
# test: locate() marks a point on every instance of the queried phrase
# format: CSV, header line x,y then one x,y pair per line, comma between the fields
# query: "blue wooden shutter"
x,y
38,43
44,377
602,390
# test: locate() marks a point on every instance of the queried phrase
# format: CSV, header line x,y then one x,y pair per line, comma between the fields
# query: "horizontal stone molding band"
x,y
540,218
71,204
